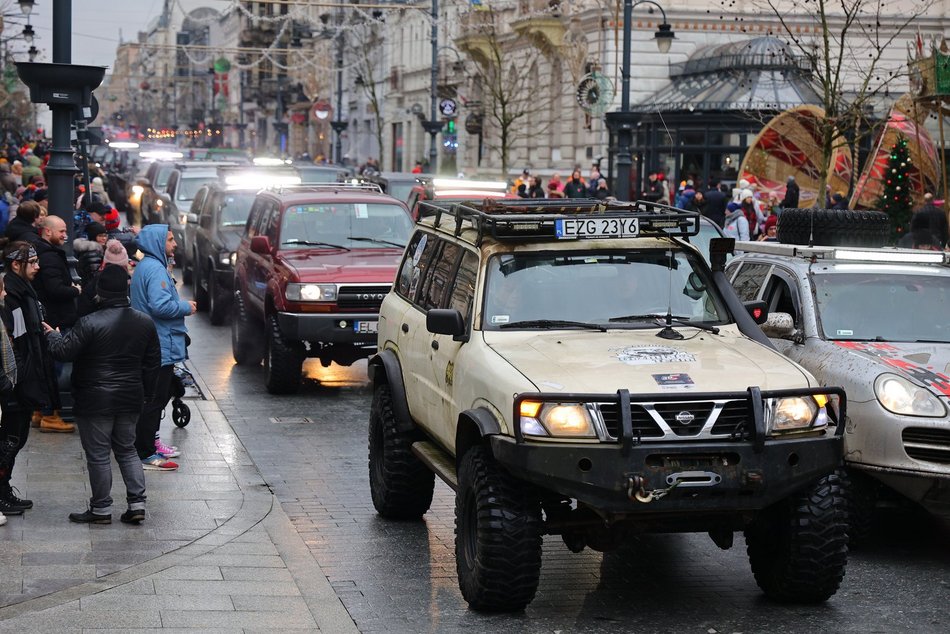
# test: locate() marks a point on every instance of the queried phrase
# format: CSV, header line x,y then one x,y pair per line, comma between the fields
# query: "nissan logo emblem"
x,y
685,418
371,295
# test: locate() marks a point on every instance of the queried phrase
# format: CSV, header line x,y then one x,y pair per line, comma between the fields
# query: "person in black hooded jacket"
x,y
116,358
36,378
23,225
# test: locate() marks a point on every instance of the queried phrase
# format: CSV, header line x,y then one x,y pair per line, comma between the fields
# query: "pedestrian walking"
x,y
931,219
23,225
116,358
716,201
792,193
575,187
35,386
736,225
154,293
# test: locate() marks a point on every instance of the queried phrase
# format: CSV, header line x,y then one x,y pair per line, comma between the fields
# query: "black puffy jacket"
x,y
54,285
116,358
36,378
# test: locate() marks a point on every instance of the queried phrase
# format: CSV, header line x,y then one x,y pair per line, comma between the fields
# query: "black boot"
x,y
9,495
88,517
9,509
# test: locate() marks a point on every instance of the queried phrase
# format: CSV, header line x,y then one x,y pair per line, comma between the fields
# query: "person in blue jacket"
x,y
154,293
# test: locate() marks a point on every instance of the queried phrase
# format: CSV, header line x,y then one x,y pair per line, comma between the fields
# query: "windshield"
x,y
895,305
234,208
347,225
623,289
188,188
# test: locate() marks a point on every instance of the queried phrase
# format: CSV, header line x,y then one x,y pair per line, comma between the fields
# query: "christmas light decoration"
x,y
896,199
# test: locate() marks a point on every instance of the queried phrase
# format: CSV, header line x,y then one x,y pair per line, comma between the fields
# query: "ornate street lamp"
x,y
29,33
26,6
32,53
664,38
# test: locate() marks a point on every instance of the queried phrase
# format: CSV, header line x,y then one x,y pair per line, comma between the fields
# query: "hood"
x,y
356,266
34,161
597,362
924,363
151,241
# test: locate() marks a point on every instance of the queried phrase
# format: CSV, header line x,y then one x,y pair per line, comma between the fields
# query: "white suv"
x,y
872,321
576,368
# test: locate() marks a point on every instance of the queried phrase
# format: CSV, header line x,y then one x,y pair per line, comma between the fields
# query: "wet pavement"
x,y
269,526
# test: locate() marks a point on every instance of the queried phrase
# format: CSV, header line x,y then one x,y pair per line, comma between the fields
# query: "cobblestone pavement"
x,y
311,450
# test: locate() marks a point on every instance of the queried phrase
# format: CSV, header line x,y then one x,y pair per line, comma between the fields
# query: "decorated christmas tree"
x,y
896,200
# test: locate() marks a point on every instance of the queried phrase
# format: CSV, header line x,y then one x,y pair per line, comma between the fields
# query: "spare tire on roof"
x,y
833,227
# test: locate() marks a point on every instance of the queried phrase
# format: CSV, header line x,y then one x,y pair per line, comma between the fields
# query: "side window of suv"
x,y
463,289
272,228
254,219
414,264
440,276
206,213
782,296
749,280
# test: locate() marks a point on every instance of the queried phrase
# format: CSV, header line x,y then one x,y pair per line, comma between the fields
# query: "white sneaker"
x,y
3,519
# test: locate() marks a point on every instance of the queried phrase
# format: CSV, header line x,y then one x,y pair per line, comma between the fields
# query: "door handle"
x,y
405,327
435,344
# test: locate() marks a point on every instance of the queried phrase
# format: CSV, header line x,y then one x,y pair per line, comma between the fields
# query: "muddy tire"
x,y
217,302
497,536
798,548
246,345
400,484
283,362
834,227
201,295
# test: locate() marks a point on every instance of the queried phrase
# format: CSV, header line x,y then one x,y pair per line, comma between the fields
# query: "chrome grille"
x,y
930,445
361,298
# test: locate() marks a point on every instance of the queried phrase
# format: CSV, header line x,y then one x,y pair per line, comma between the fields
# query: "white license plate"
x,y
366,327
573,228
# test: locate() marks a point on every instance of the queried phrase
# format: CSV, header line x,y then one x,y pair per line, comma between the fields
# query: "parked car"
x,y
872,320
216,221
173,204
312,268
316,174
399,185
580,371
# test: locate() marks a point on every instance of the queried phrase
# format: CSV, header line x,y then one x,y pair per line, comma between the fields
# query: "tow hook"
x,y
636,490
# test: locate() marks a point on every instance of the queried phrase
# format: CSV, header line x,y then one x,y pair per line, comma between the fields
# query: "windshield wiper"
x,y
312,243
680,321
377,241
552,323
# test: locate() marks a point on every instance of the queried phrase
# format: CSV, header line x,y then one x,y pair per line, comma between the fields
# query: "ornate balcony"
x,y
541,22
477,33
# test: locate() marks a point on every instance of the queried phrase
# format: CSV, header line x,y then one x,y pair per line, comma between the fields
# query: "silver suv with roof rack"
x,y
576,368
875,322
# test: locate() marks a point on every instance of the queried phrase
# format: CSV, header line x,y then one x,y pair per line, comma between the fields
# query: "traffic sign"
x,y
448,108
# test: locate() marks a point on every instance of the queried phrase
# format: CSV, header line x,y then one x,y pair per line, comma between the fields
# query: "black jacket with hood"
x,y
54,286
116,358
36,385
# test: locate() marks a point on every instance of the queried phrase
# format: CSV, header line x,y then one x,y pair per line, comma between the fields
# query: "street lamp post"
x,y
61,167
620,121
338,124
434,125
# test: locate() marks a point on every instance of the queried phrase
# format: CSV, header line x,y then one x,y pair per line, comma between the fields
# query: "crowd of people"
x,y
121,326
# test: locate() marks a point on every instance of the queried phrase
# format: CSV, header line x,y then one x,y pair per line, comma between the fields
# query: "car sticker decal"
x,y
652,355
890,355
678,380
419,249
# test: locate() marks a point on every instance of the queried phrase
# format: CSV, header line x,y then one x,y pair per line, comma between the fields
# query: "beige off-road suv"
x,y
576,368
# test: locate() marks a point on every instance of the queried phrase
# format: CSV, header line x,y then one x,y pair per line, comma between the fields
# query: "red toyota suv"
x,y
312,269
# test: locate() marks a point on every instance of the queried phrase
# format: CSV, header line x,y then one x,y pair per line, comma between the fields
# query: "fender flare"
x,y
474,426
384,367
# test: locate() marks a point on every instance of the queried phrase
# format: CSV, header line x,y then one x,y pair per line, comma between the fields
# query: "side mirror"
x,y
260,245
779,326
758,310
192,218
445,321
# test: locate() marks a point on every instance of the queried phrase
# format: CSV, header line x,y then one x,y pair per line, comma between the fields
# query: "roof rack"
x,y
889,255
564,219
327,187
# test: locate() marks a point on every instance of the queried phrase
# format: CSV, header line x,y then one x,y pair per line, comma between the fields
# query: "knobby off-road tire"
x,y
833,227
217,303
283,362
401,485
798,548
497,536
201,295
246,345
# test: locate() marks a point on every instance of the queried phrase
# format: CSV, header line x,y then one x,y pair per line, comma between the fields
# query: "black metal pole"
x,y
434,83
61,167
339,125
624,130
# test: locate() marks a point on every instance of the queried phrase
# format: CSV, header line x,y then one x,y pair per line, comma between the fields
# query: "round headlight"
x,y
572,420
898,395
794,413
